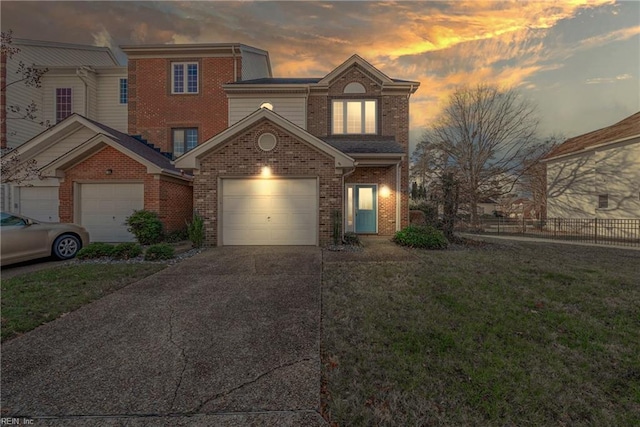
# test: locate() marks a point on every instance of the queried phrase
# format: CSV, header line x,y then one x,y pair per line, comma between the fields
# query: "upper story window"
x,y
124,89
63,103
184,77
354,117
184,139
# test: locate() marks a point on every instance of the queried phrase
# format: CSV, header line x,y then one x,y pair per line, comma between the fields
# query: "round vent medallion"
x,y
267,141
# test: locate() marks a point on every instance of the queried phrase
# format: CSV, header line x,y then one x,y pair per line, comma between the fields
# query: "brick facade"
x,y
392,121
240,157
154,110
170,198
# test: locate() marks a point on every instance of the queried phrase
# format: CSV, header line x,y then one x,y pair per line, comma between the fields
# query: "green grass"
x,y
35,298
518,335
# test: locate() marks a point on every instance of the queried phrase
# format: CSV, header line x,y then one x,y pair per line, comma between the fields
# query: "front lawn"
x,y
35,298
517,334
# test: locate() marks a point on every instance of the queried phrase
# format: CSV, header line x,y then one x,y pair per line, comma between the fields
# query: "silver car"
x,y
24,239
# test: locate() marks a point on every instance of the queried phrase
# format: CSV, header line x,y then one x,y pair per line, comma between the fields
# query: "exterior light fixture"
x,y
266,172
109,171
384,191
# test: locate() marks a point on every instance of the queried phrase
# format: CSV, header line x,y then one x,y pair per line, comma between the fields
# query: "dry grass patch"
x,y
525,334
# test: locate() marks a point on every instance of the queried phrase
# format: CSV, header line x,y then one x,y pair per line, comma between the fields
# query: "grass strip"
x,y
31,299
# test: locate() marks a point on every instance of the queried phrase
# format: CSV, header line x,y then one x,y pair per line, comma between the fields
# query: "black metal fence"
x,y
621,232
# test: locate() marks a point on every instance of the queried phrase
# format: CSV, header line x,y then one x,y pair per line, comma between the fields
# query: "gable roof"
x,y
190,160
134,148
624,129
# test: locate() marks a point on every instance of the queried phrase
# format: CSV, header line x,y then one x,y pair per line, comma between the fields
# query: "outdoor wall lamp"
x,y
266,172
384,191
109,171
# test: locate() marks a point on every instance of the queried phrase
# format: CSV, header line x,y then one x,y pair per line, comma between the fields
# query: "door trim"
x,y
353,205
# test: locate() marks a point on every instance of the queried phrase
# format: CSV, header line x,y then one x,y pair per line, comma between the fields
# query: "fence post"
x,y
524,225
555,226
595,231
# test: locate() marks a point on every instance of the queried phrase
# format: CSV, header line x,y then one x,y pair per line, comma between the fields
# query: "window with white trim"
x,y
354,116
184,77
63,103
184,139
124,89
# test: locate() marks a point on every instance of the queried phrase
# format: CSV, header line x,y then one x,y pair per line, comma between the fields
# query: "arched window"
x,y
354,87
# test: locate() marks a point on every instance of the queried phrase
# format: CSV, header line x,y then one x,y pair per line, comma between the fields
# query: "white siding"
x,y
45,54
49,86
574,184
63,146
254,66
110,111
293,109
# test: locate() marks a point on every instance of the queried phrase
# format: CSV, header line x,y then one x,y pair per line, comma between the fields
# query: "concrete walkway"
x,y
228,337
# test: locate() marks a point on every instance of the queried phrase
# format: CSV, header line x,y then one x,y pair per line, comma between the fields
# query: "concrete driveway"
x,y
228,337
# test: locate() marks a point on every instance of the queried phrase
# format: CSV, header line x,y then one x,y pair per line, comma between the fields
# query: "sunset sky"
x,y
579,61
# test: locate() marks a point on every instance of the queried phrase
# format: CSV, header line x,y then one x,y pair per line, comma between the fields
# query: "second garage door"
x,y
104,209
39,203
269,212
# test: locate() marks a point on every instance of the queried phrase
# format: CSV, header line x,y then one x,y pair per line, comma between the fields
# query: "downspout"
x,y
235,64
398,198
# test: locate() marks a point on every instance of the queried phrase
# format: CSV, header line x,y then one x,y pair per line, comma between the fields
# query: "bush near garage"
x,y
159,251
195,231
126,250
95,250
424,237
146,226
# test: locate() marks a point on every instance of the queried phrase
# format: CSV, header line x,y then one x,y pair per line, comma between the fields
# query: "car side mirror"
x,y
28,221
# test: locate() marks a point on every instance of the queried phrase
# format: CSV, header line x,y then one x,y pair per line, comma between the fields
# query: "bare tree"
x,y
13,170
486,135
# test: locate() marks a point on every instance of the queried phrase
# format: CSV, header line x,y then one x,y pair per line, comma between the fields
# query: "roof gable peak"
x,y
355,59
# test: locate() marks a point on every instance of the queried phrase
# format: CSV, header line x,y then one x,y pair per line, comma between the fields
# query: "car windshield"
x,y
8,219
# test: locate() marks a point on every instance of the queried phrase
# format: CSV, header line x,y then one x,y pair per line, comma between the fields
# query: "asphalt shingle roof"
x,y
623,129
382,146
136,146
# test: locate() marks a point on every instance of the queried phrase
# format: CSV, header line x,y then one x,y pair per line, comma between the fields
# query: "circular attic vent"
x,y
267,141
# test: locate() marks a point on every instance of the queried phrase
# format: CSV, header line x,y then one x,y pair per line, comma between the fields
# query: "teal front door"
x,y
366,202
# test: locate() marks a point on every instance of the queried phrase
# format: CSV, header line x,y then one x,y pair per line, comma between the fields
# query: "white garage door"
x,y
269,212
104,209
39,203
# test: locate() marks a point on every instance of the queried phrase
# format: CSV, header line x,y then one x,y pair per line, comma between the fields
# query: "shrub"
x,y
176,236
126,250
95,250
195,231
146,226
159,252
424,237
351,238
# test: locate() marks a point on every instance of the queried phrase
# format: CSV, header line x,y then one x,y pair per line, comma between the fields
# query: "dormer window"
x,y
184,77
354,117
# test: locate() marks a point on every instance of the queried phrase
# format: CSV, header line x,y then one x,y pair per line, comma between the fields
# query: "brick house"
x,y
265,161
303,153
96,175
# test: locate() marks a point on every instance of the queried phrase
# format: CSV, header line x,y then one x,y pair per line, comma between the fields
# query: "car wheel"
x,y
66,246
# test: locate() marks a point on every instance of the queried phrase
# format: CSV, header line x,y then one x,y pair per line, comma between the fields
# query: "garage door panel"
x,y
40,203
269,212
104,209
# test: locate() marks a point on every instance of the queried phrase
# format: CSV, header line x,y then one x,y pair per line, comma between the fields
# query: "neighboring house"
x,y
87,80
596,175
303,153
97,176
176,96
